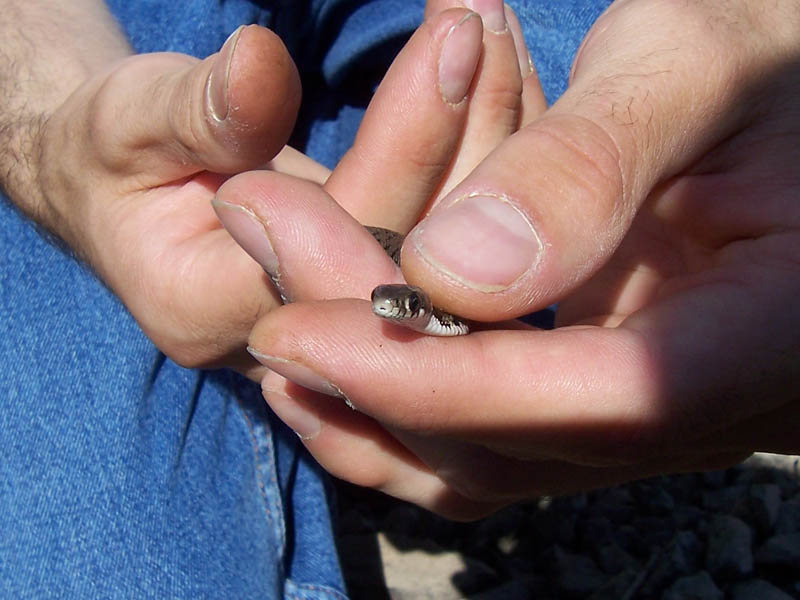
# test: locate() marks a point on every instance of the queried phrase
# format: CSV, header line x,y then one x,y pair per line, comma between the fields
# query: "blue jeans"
x,y
123,475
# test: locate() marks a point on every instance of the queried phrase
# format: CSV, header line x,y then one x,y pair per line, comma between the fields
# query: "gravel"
x,y
730,534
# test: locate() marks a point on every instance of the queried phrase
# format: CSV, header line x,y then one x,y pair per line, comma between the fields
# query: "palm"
x,y
191,264
711,254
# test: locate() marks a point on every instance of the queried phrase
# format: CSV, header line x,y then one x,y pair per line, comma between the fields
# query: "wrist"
x,y
49,50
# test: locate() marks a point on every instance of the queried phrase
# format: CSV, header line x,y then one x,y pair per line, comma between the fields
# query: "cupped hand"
x,y
657,199
128,165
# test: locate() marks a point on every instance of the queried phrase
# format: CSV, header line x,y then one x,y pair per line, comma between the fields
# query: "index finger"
x,y
412,126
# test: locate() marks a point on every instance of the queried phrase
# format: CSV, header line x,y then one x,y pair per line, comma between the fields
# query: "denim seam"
x,y
264,459
297,591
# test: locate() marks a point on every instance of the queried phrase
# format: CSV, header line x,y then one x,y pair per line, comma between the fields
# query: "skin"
x,y
662,188
660,192
120,156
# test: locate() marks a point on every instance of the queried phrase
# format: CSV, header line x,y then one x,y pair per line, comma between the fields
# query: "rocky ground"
x,y
732,534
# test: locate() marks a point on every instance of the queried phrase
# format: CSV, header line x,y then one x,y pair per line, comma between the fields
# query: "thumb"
x,y
168,116
549,206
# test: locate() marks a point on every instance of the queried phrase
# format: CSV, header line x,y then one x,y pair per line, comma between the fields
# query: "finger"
x,y
412,125
546,210
355,448
176,115
459,481
455,479
538,404
533,100
505,90
592,396
308,244
292,162
483,475
495,98
310,247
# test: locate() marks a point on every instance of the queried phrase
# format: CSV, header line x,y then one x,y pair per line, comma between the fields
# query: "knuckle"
x,y
502,106
589,160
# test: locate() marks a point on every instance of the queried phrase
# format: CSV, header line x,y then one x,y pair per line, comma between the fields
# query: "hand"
x,y
419,116
128,166
659,194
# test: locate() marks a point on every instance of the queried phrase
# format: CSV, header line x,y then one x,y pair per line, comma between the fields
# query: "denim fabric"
x,y
123,475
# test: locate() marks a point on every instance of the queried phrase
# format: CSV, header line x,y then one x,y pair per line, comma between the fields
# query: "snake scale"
x,y
408,305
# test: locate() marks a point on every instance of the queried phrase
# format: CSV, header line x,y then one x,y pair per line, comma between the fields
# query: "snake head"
x,y
400,302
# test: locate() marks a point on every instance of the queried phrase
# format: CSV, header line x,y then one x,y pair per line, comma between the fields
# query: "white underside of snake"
x,y
408,305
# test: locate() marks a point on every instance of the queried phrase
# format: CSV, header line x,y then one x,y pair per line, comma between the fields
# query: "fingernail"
x,y
217,88
299,374
459,58
484,242
250,233
491,11
297,414
523,56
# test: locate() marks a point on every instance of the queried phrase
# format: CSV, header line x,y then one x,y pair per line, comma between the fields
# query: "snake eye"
x,y
413,302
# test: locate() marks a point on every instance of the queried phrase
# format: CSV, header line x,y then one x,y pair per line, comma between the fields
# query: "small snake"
x,y
408,305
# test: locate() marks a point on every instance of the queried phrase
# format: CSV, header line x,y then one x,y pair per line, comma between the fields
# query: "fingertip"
x,y
533,99
413,124
254,91
523,56
261,63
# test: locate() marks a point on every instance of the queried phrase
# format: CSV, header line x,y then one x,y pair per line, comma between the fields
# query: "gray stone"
x,y
596,530
764,501
615,503
757,589
516,589
613,559
566,530
727,499
653,497
630,539
656,531
688,516
694,587
714,479
685,551
620,586
680,557
475,577
661,502
780,551
488,531
729,553
788,519
577,575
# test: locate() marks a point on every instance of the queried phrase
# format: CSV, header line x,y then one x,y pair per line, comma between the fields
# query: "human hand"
x,y
127,168
311,246
639,195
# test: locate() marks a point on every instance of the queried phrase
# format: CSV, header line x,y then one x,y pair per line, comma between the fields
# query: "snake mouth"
x,y
385,308
384,303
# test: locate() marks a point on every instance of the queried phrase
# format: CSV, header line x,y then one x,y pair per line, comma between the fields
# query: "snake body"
x,y
408,305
